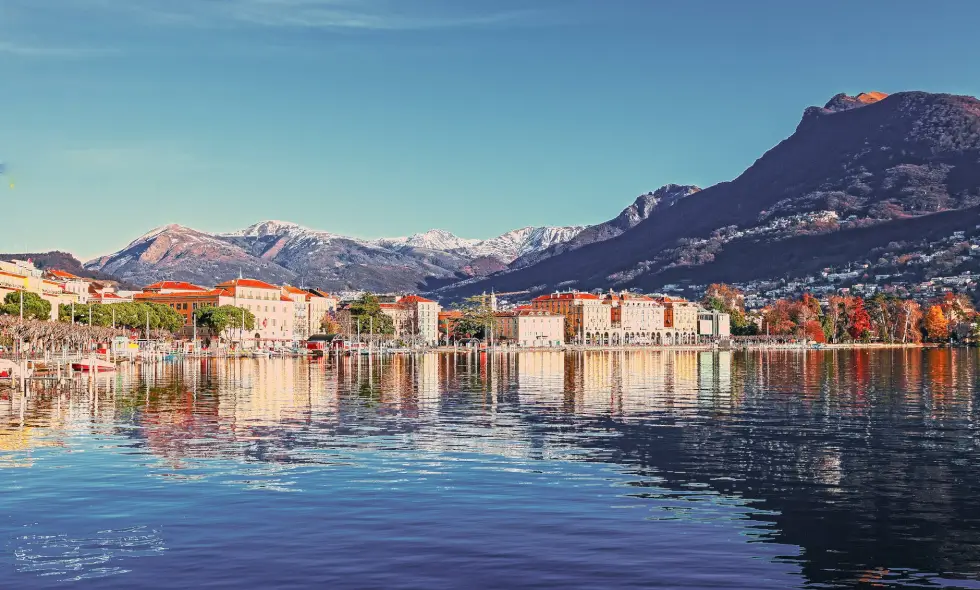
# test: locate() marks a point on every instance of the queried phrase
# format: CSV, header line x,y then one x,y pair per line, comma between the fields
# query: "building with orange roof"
x,y
283,315
680,320
71,284
164,287
623,318
274,311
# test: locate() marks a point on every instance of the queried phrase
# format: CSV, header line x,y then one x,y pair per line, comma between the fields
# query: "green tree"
x,y
367,310
218,319
133,315
35,308
477,319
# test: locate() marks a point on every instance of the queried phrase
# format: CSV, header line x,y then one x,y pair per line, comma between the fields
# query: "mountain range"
x,y
279,251
863,178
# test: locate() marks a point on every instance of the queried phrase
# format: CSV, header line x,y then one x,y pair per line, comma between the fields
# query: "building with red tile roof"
x,y
247,284
60,274
171,287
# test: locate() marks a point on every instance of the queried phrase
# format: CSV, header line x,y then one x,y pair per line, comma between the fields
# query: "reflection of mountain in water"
x,y
863,459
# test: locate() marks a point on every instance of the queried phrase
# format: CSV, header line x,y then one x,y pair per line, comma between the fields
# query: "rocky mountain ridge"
x,y
281,251
630,217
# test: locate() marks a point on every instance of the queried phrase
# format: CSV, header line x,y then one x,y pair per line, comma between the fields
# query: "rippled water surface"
x,y
538,470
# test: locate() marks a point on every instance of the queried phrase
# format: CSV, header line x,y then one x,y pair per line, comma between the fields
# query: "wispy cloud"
x,y
38,50
312,14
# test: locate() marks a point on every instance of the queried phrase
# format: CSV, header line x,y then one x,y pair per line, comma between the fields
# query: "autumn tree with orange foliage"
x,y
778,318
858,320
730,300
936,324
959,312
329,325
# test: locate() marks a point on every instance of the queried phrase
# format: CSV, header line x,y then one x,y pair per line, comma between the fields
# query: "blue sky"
x,y
388,117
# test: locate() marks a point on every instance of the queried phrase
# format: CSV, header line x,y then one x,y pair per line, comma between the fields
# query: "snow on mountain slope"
x,y
175,252
505,247
279,250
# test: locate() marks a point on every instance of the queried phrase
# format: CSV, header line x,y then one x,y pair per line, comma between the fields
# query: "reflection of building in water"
x,y
427,380
621,382
267,392
16,442
715,372
540,376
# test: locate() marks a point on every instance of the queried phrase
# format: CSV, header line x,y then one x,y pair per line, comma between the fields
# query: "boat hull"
x,y
92,368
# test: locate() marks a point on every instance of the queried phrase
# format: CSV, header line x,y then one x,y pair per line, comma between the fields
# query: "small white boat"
x,y
93,365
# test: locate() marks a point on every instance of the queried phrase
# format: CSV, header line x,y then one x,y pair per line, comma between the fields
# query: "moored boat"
x,y
93,365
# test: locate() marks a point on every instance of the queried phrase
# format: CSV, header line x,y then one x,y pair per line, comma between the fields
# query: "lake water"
x,y
538,470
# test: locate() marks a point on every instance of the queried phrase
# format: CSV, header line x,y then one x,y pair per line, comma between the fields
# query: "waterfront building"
x,y
530,328
585,315
636,319
680,321
415,319
310,309
713,325
423,318
274,312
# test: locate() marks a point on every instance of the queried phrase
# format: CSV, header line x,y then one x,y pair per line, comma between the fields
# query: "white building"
x,y
714,324
423,318
274,313
531,328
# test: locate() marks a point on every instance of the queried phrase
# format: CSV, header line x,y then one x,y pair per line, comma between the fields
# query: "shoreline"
x,y
708,347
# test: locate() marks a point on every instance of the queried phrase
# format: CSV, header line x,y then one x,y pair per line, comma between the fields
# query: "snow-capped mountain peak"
x,y
271,227
434,239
